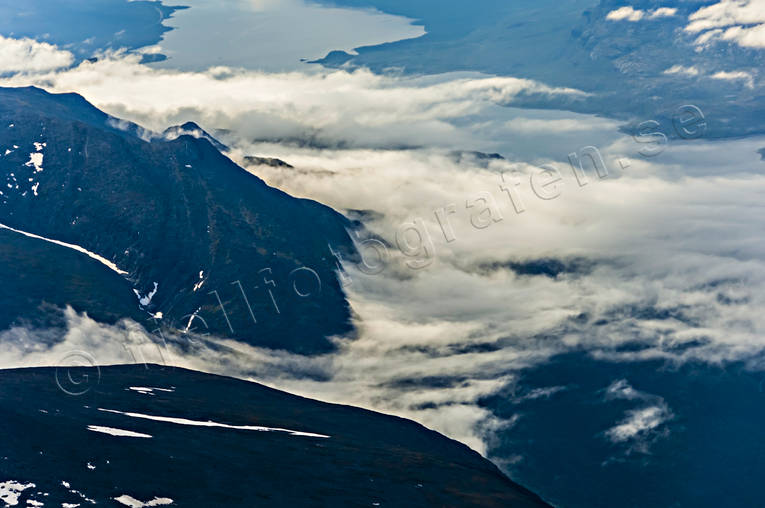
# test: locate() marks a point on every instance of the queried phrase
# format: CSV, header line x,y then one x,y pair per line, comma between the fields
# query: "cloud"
x,y
642,232
739,21
432,343
679,69
629,13
639,423
708,37
28,55
80,342
726,13
626,13
539,126
735,76
323,107
641,426
663,12
749,37
621,389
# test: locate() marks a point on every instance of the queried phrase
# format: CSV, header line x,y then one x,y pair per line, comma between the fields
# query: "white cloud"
x,y
750,37
626,13
726,13
744,19
28,55
538,126
639,423
640,426
706,38
621,389
679,69
735,76
326,107
664,12
629,13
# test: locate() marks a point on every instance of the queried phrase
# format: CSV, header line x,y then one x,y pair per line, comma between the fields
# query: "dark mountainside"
x,y
175,212
193,130
708,454
39,279
369,459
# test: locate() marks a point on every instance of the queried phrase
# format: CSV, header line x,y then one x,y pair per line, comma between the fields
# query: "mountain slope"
x,y
39,278
334,456
196,234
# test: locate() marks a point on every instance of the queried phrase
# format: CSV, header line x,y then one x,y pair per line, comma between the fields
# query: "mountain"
x,y
151,436
39,279
253,160
689,434
197,239
194,130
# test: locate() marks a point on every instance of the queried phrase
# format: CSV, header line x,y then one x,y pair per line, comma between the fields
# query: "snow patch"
x,y
135,503
116,432
199,284
146,300
148,390
98,258
191,320
11,490
208,423
36,161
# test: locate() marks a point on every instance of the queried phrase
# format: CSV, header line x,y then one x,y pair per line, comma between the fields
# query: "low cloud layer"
x,y
28,55
325,108
623,268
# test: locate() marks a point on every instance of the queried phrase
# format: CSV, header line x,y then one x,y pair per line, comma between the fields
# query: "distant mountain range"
x,y
86,27
151,436
182,231
622,64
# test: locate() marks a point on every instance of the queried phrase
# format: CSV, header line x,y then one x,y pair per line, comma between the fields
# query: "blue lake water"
x,y
273,35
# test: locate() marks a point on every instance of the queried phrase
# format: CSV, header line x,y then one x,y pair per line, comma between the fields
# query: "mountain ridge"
x,y
179,213
131,422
